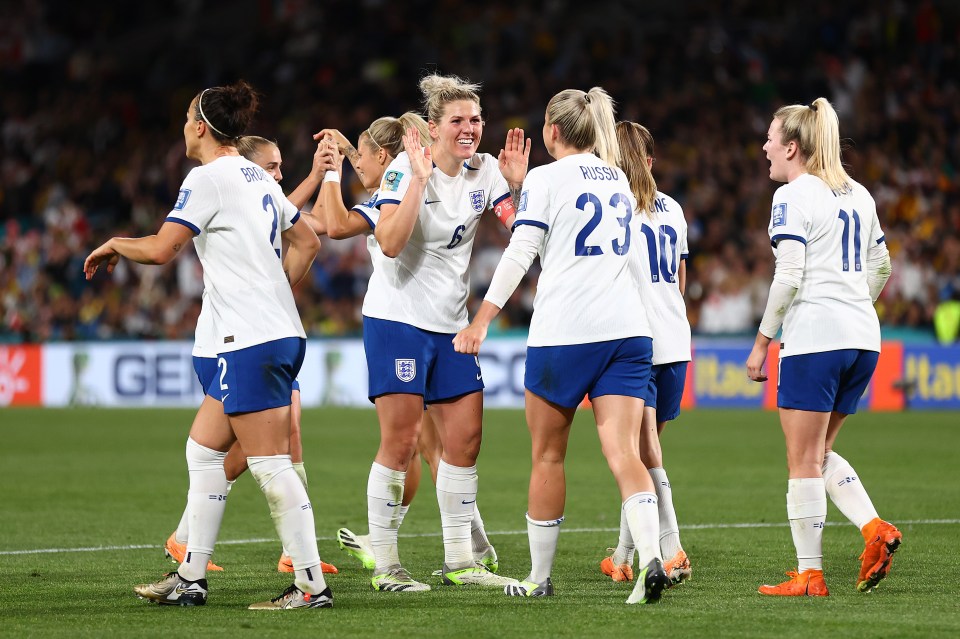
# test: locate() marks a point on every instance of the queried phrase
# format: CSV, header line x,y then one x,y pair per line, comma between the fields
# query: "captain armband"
x,y
504,210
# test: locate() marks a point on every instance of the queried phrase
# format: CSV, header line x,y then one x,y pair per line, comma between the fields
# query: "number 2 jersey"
x,y
427,284
662,246
588,290
238,212
833,309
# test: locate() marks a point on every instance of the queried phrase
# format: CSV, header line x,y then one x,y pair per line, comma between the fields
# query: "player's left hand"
x,y
103,254
515,156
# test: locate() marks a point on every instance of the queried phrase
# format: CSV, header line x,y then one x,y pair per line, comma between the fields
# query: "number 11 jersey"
x,y
833,309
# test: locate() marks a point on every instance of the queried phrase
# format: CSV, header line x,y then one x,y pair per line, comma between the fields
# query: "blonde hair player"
x,y
589,334
430,203
662,279
831,264
259,354
376,148
265,154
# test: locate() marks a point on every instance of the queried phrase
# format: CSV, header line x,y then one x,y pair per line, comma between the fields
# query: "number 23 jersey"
x,y
588,290
427,284
832,309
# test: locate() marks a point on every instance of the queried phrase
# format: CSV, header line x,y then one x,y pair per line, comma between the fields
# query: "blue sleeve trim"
x,y
776,239
189,225
539,225
684,256
295,218
382,202
500,199
364,216
882,239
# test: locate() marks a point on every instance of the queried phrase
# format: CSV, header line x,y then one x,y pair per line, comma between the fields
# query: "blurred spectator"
x,y
88,150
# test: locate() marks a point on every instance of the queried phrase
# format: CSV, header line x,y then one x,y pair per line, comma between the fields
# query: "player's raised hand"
x,y
421,160
338,138
328,155
515,156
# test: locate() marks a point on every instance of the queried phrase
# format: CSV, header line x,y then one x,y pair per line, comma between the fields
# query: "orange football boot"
x,y
617,572
177,551
881,540
809,582
286,565
678,568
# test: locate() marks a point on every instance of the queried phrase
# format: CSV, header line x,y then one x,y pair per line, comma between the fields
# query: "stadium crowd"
x,y
88,150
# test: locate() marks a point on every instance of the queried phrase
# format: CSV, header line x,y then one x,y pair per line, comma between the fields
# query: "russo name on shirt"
x,y
599,173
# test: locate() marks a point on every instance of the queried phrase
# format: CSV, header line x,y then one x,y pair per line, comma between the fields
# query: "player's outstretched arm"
x,y
152,249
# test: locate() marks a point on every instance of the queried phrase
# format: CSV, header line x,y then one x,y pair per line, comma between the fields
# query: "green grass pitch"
x,y
89,496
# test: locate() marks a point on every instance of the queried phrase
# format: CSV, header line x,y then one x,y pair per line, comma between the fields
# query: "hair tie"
x,y
370,137
586,98
205,119
812,107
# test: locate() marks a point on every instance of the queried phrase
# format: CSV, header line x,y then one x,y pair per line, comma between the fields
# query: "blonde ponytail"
x,y
815,128
585,121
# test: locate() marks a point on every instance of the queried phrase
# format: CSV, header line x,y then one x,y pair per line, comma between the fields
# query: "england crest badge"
x,y
406,369
477,200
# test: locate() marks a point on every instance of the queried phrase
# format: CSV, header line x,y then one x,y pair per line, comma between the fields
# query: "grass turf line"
x,y
116,477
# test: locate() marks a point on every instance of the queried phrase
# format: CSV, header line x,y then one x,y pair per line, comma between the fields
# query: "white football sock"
x,y
477,532
807,511
846,491
384,494
625,548
457,498
403,514
293,517
543,536
640,511
206,502
183,528
669,529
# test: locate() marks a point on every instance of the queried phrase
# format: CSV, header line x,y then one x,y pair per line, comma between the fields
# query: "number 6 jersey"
x,y
832,309
426,285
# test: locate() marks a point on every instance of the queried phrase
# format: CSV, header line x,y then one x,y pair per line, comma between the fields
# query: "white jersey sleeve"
x,y
833,309
534,207
197,203
395,181
368,211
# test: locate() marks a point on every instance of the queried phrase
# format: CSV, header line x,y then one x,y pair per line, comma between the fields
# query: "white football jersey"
x,y
205,335
659,250
832,309
238,213
588,290
427,284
